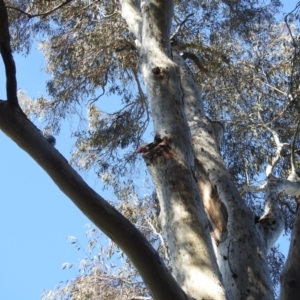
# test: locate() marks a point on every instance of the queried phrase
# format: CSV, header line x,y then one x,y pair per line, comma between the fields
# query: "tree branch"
x,y
133,19
180,25
288,187
282,186
288,26
195,59
279,147
6,53
160,282
254,189
45,14
271,224
160,237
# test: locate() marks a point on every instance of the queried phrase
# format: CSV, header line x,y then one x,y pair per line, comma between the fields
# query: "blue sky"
x,y
35,216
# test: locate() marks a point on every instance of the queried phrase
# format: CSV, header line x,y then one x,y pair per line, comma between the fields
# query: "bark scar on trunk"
x,y
159,147
215,209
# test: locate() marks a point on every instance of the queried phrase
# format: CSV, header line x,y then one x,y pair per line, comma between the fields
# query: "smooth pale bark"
x,y
280,185
240,249
160,282
290,277
271,224
133,18
171,163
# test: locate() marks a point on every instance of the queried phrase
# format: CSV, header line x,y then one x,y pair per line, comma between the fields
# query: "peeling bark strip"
x,y
160,282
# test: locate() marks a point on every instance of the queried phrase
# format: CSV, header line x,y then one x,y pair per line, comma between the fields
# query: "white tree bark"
x,y
170,160
271,224
240,250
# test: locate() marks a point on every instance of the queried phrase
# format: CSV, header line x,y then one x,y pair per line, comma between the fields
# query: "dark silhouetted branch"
x,y
45,14
6,53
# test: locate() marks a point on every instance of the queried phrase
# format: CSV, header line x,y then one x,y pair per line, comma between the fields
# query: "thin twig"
x,y
45,14
160,237
180,25
110,15
288,26
272,87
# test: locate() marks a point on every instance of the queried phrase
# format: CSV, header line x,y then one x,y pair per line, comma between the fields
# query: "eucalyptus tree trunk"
x,y
188,171
171,162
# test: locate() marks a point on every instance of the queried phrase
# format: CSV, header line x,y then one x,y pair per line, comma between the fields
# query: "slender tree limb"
x,y
45,14
195,59
272,87
254,189
110,15
6,53
279,147
160,237
284,186
133,19
288,205
287,24
288,187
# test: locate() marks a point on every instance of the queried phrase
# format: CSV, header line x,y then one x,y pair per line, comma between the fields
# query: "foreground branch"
x,y
150,266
